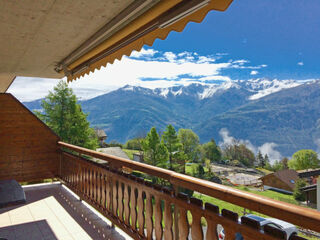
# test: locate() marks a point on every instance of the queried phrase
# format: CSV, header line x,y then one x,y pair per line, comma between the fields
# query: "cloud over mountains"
x,y
148,68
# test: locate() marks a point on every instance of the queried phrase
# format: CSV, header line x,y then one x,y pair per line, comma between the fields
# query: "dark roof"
x,y
309,188
309,173
287,176
100,133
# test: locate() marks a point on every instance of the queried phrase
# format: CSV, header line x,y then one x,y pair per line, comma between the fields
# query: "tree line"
x,y
173,149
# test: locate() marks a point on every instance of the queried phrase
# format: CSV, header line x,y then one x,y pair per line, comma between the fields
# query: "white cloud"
x,y
215,77
241,61
266,148
317,143
226,138
147,68
28,89
170,56
300,63
254,72
144,53
269,149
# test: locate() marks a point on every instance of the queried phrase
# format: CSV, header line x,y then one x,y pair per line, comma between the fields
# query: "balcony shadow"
x,y
36,230
60,203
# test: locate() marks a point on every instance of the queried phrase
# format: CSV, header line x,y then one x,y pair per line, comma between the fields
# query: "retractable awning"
x,y
56,38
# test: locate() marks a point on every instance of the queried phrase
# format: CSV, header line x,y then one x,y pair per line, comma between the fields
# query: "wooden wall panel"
x,y
28,148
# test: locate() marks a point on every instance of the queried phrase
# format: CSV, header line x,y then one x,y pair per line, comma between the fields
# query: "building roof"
x,y
288,176
114,151
100,133
56,38
309,173
312,187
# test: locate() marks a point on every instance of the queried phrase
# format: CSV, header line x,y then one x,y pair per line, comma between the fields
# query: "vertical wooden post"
x,y
318,193
176,214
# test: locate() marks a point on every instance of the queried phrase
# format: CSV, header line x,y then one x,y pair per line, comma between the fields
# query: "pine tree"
x,y
65,117
171,141
284,163
155,152
266,162
260,159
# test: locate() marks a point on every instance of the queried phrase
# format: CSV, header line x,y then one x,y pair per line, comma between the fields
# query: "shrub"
x,y
297,193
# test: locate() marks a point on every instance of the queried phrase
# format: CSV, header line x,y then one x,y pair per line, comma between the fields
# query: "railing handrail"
x,y
304,217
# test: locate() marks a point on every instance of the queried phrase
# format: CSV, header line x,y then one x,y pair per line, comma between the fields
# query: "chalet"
x,y
102,136
283,180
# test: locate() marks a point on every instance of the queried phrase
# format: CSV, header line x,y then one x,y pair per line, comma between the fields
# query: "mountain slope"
x,y
261,110
290,118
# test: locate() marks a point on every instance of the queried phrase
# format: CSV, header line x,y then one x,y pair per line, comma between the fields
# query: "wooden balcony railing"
x,y
148,211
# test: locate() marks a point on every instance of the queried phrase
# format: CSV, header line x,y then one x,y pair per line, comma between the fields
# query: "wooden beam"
x,y
5,81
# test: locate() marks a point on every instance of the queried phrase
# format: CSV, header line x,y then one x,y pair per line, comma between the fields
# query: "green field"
x,y
130,152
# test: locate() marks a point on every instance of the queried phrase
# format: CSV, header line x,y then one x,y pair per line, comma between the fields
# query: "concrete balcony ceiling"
x,y
54,38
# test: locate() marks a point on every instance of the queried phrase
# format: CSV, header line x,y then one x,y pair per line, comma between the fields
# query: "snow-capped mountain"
x,y
258,88
285,113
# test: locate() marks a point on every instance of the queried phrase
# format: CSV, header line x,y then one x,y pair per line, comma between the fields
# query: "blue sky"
x,y
252,39
279,33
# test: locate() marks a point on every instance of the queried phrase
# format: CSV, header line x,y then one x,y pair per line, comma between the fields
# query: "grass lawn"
x,y
240,210
130,152
190,166
265,171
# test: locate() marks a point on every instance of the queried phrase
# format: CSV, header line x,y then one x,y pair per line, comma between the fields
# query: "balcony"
x,y
30,151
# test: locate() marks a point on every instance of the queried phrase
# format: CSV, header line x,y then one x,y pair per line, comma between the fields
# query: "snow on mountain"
x,y
264,87
259,88
211,89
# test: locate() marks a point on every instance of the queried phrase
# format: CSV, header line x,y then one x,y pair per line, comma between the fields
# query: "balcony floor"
x,y
52,213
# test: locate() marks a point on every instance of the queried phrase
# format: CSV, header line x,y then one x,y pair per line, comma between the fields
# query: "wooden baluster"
x,y
103,191
126,202
133,210
114,197
149,214
94,185
120,200
99,188
86,182
89,182
77,177
70,166
212,225
96,198
67,170
196,228
140,205
229,230
168,234
158,217
82,179
109,190
183,224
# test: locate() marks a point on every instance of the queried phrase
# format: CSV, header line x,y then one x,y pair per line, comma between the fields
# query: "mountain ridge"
x,y
282,112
